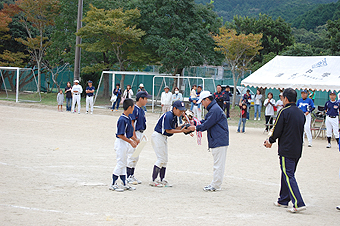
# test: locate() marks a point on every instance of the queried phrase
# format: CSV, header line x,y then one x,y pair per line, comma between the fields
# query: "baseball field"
x,y
56,169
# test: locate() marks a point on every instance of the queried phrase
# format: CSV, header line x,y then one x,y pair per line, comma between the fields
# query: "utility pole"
x,y
78,41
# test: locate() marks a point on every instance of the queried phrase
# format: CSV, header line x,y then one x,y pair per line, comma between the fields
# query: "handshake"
x,y
187,129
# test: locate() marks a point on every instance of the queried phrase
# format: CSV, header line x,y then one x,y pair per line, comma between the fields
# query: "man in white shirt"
x,y
166,99
279,104
76,91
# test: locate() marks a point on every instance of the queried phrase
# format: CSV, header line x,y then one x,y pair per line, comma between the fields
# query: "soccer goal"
x,y
19,84
108,80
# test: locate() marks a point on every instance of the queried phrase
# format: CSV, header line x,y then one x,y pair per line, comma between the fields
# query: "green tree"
x,y
298,49
277,34
333,34
177,33
41,15
238,49
112,31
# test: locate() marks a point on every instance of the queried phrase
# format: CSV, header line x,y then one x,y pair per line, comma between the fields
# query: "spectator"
x,y
177,95
193,96
60,100
118,93
227,95
128,93
258,104
246,99
279,104
141,88
269,103
68,92
243,117
219,96
166,99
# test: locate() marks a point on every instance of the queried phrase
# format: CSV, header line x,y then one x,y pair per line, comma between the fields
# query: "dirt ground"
x,y
56,169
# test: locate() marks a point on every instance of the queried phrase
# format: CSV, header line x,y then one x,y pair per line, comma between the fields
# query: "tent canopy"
x,y
315,72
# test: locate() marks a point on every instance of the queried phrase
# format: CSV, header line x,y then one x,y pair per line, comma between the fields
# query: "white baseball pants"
x,y
132,162
307,128
75,99
197,112
121,147
160,146
219,155
89,101
332,124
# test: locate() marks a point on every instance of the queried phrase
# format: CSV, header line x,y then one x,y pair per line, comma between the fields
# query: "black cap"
x,y
227,87
179,105
248,90
117,84
143,94
200,86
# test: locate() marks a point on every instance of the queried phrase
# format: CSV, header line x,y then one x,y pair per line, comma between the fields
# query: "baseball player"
x,y
307,106
216,124
76,91
139,125
166,126
197,106
89,97
289,129
124,141
332,119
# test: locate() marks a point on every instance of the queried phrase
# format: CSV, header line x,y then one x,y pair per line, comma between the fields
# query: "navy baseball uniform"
x,y
332,120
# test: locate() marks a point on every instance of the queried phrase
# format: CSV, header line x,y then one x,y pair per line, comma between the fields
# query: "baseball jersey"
x,y
332,108
138,115
219,97
90,88
167,121
124,126
77,88
305,105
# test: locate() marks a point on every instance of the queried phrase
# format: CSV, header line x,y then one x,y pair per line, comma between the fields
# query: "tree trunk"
x,y
234,91
106,80
39,76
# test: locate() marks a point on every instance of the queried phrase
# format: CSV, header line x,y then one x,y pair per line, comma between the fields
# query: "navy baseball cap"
x,y
304,91
179,105
332,92
89,81
143,94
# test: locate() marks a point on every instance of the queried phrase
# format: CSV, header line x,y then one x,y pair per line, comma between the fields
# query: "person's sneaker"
x,y
296,210
132,180
209,188
115,188
280,205
156,184
87,112
338,207
166,183
116,109
254,119
309,145
237,131
259,119
128,187
329,145
91,112
228,118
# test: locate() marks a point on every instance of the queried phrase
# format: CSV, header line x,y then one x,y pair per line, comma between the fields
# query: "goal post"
x,y
19,84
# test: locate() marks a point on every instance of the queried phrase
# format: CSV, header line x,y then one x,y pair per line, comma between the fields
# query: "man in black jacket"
x,y
289,128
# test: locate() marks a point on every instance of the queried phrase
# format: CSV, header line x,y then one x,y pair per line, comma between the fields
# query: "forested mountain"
x,y
287,9
318,16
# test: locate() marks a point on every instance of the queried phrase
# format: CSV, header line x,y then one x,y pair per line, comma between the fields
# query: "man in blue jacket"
x,y
216,124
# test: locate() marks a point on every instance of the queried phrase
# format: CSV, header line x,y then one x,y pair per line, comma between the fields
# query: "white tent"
x,y
315,72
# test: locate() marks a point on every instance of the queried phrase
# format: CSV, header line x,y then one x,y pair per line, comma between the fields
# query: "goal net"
x,y
19,84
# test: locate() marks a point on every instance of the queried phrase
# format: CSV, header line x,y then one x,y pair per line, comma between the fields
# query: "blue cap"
x,y
179,105
89,81
143,94
304,91
332,92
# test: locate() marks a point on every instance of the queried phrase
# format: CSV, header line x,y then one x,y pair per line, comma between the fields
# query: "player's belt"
x,y
76,94
331,116
141,131
89,96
